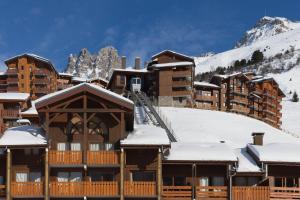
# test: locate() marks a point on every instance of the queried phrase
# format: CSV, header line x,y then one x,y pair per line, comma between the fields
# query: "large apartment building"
x,y
29,73
86,146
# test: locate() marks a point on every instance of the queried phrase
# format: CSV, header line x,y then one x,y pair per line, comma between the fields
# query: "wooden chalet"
x,y
206,95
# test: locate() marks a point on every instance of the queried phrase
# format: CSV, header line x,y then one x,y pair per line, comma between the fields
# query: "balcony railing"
x,y
181,83
250,193
12,71
12,80
177,74
205,98
90,189
9,113
12,88
140,189
65,157
103,158
2,190
177,192
61,86
41,81
181,93
27,189
41,90
211,192
40,72
239,109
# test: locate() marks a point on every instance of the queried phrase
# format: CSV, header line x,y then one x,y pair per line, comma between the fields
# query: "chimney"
x,y
258,138
137,63
123,62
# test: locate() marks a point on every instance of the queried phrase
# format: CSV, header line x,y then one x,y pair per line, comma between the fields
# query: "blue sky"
x,y
54,29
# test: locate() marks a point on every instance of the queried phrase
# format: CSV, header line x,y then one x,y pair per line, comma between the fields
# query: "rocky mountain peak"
x,y
266,27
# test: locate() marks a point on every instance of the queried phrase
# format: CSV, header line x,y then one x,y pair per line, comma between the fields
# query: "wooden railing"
x,y
103,157
27,189
140,189
11,71
105,188
40,72
177,192
43,81
2,190
205,98
65,157
181,83
181,93
250,193
182,73
9,113
281,193
211,192
90,189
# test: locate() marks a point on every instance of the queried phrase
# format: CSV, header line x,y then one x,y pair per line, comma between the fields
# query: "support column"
x,y
159,174
122,165
85,130
8,175
229,182
122,125
46,174
194,174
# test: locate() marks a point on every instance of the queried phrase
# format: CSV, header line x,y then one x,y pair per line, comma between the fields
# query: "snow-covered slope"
x,y
265,28
269,45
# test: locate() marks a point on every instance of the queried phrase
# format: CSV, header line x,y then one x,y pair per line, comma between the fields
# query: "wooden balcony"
x,y
12,80
239,109
40,81
11,71
65,157
177,192
80,189
250,193
205,98
240,100
27,189
40,72
40,90
61,86
284,193
211,192
140,189
9,113
177,74
12,88
181,83
181,93
103,158
2,190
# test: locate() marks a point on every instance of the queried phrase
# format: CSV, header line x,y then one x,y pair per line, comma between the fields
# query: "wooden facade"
x,y
32,74
206,96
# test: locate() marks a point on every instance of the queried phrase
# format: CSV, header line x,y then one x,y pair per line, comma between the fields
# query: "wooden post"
x,y
229,192
46,174
122,164
85,129
8,175
194,174
122,125
159,173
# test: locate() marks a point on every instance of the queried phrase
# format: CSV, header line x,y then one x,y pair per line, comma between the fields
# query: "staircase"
x,y
153,113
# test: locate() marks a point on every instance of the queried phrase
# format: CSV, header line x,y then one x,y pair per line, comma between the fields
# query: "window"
x,y
75,147
99,176
1,180
204,181
35,176
179,181
218,181
22,76
94,147
286,182
69,176
61,146
142,176
21,177
167,181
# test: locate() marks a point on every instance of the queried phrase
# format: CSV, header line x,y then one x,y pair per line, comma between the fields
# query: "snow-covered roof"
x,y
146,135
144,70
14,96
173,64
225,76
219,152
276,152
23,121
205,84
33,56
79,79
245,162
30,111
65,74
76,87
23,136
94,79
170,51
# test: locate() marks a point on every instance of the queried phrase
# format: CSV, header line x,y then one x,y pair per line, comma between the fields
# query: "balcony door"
x,y
69,176
142,176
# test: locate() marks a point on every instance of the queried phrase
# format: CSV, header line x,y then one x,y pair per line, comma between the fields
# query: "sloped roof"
x,y
95,89
42,59
14,96
172,52
205,84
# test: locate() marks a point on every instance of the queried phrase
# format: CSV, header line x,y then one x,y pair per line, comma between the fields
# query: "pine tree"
x,y
295,97
257,57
